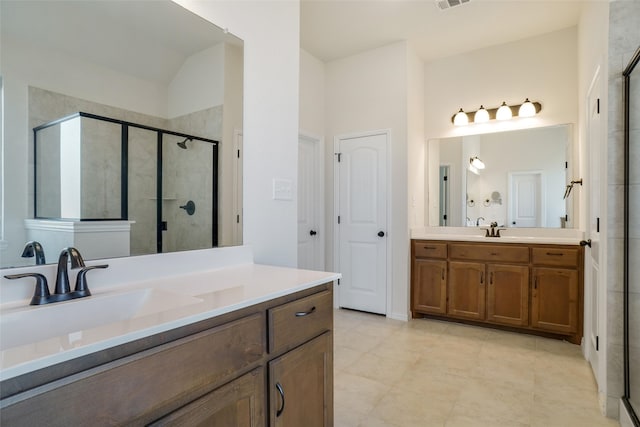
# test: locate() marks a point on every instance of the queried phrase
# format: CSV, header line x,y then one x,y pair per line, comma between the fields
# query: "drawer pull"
x,y
554,254
430,248
305,313
281,391
494,253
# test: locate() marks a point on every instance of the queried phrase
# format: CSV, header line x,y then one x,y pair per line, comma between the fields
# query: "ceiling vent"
x,y
446,4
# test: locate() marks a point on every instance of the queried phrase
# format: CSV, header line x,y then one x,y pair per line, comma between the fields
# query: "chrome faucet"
x,y
62,276
34,248
478,220
62,290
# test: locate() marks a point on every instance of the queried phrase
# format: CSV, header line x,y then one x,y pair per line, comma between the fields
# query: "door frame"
x,y
336,209
319,199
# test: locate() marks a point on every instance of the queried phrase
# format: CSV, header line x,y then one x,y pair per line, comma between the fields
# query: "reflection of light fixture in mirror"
x,y
527,109
504,112
461,118
476,162
481,116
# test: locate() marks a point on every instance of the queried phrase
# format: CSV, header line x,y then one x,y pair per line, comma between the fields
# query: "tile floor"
x,y
432,373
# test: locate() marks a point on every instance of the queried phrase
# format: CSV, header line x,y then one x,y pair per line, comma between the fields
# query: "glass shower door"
x,y
632,239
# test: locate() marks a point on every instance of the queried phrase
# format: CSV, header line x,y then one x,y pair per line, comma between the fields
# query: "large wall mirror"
x,y
517,178
122,129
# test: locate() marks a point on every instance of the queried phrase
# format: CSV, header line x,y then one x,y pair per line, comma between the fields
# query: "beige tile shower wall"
x,y
143,149
101,170
624,39
191,179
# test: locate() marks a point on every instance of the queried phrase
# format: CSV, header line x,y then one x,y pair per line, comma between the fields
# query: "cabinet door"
x,y
430,286
508,294
301,385
239,403
466,293
554,303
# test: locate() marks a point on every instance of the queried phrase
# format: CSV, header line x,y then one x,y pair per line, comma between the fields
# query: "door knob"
x,y
585,242
380,233
313,233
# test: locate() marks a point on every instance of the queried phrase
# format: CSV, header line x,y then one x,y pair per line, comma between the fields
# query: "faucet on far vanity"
x,y
62,290
495,232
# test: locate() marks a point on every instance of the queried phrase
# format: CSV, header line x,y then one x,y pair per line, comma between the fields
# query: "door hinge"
x,y
597,225
598,106
338,219
338,282
339,156
566,165
597,343
444,178
237,219
238,153
444,217
566,218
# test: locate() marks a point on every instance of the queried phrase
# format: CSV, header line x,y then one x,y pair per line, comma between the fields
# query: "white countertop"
x,y
552,236
163,303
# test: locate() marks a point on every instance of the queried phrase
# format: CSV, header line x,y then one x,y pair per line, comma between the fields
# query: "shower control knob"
x,y
313,233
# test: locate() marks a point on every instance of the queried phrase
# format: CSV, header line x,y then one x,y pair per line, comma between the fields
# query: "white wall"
x,y
199,83
270,30
541,68
312,94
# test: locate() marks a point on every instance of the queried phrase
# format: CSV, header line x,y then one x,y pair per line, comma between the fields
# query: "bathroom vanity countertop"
x,y
549,236
157,305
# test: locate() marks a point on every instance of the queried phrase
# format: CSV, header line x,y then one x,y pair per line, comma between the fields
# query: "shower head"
x,y
183,144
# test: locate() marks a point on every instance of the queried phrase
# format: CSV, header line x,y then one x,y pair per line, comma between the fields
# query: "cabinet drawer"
x,y
490,253
566,257
300,320
422,249
137,389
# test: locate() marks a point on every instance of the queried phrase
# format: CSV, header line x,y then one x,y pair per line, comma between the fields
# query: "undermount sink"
x,y
31,324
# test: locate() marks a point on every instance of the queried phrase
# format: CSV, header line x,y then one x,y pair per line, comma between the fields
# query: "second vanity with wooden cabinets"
x,y
530,287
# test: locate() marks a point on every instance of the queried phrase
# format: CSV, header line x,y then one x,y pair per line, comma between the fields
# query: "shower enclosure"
x,y
631,397
92,168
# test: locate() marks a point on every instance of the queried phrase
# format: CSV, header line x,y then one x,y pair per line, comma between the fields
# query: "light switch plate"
x,y
282,189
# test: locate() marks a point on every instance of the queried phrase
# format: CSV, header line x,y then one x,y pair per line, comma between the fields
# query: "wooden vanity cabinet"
x,y
218,372
519,286
556,290
429,276
466,291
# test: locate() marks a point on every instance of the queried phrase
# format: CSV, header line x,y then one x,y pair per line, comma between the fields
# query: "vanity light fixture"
x,y
476,162
461,118
527,109
481,116
504,112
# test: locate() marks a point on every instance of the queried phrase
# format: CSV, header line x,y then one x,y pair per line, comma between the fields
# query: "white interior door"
x,y
362,229
525,199
593,268
310,204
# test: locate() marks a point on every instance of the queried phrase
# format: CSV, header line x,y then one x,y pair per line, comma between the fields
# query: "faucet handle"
x,y
41,293
81,280
498,231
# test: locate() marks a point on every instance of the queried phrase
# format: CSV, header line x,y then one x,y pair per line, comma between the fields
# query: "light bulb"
x,y
461,118
527,109
481,116
504,112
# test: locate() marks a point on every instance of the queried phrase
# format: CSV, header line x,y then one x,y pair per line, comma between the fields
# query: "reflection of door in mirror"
x,y
445,197
526,198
